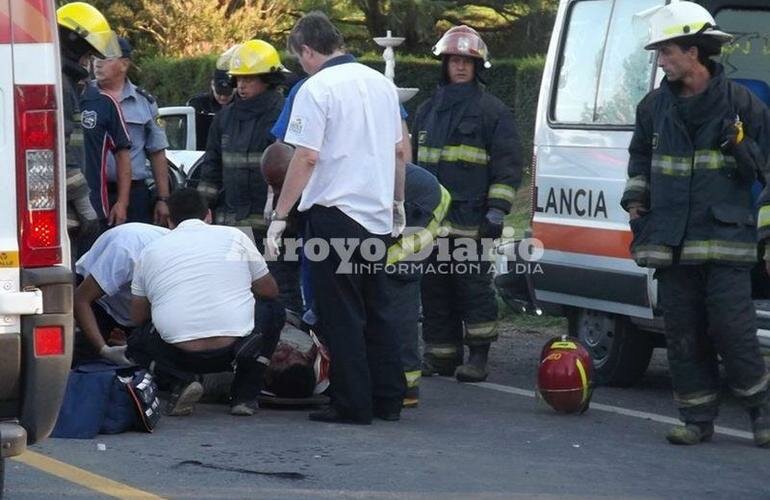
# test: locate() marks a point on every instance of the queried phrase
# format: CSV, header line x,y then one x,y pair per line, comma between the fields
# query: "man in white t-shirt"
x,y
348,167
102,300
199,285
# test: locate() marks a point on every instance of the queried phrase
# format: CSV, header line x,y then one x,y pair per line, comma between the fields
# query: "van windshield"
x,y
604,70
747,58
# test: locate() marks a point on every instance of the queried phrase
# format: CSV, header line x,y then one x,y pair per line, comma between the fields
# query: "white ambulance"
x,y
596,72
35,276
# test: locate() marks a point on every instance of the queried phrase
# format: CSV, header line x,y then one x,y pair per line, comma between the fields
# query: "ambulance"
x,y
595,73
35,274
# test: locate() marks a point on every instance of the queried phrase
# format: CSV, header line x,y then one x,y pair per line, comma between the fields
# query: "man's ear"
x,y
208,217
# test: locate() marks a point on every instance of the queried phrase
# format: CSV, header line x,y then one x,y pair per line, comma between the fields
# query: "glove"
x,y
399,218
116,354
732,134
268,204
492,226
273,244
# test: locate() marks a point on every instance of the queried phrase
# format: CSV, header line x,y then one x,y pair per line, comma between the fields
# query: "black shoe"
x,y
332,416
390,416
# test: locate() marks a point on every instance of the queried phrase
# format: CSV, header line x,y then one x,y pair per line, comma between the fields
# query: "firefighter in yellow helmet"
x,y
467,138
83,32
231,179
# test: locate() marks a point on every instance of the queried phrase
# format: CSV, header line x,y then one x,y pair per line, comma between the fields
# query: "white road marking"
x,y
727,431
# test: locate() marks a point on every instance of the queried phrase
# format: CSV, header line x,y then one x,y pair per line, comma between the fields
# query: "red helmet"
x,y
463,41
564,376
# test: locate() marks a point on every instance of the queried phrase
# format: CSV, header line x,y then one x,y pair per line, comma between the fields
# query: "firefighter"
x,y
700,141
467,138
83,32
239,134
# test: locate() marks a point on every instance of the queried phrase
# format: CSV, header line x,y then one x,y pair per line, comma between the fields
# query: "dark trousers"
x,y
708,311
402,312
366,372
140,205
459,306
84,351
286,274
248,356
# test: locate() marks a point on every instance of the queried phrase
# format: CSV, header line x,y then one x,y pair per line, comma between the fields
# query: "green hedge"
x,y
515,81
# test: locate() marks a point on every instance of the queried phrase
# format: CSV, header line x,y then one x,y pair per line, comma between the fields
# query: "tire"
x,y
619,351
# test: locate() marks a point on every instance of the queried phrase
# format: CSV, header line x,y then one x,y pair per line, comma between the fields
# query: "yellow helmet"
x,y
89,24
255,57
223,61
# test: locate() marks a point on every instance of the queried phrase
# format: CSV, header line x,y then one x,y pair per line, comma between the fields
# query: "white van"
x,y
35,276
596,72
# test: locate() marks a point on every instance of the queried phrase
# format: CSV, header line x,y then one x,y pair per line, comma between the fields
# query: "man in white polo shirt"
x,y
199,285
102,300
348,167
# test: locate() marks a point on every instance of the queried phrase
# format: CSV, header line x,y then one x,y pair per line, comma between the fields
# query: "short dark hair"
x,y
316,31
185,204
708,47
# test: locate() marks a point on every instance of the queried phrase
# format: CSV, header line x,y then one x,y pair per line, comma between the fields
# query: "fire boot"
x,y
690,433
475,370
760,425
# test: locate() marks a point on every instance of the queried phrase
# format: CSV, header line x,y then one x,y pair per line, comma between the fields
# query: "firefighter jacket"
x,y
467,138
699,206
238,136
77,188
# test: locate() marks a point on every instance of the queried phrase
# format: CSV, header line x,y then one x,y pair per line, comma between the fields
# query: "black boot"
x,y
475,370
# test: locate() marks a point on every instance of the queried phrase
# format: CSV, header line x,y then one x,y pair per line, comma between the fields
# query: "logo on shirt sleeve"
x,y
296,125
88,119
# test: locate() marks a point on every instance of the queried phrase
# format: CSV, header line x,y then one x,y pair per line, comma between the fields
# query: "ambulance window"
x,y
748,56
604,70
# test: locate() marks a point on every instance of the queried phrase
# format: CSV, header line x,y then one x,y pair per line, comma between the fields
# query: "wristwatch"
x,y
275,217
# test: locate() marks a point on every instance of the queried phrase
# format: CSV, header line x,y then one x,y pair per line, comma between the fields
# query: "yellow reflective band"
x,y
764,217
441,350
759,386
653,254
719,250
414,243
413,378
502,192
482,330
241,160
637,184
695,399
563,345
679,29
464,153
458,230
583,380
671,165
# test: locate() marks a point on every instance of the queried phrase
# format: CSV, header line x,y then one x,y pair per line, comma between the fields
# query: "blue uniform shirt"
x,y
103,132
140,112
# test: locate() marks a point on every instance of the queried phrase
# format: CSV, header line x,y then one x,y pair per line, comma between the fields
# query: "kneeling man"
x,y
199,284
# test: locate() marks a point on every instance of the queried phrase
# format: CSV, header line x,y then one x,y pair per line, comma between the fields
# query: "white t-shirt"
x,y
198,281
350,114
111,261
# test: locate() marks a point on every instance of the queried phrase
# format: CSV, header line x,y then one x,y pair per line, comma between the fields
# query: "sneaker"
x,y
691,433
760,426
183,399
244,409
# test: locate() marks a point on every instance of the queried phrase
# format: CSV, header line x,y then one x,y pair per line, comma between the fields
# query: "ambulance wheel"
x,y
619,351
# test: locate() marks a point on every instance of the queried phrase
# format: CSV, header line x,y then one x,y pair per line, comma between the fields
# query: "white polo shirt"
x,y
198,281
111,261
350,114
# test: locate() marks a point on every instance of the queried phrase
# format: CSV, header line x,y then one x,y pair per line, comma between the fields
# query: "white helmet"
x,y
681,19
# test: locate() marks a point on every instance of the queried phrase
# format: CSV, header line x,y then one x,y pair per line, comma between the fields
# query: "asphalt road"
x,y
464,441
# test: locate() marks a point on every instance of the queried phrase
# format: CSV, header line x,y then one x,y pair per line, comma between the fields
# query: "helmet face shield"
x,y
105,43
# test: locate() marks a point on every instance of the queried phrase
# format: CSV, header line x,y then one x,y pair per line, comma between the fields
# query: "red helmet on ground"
x,y
564,375
463,41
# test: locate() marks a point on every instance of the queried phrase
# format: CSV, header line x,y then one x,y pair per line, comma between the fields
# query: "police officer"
x,y
468,139
238,136
699,142
426,203
148,141
207,104
83,32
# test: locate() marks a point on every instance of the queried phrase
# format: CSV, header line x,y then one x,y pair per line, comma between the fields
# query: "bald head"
x,y
275,163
